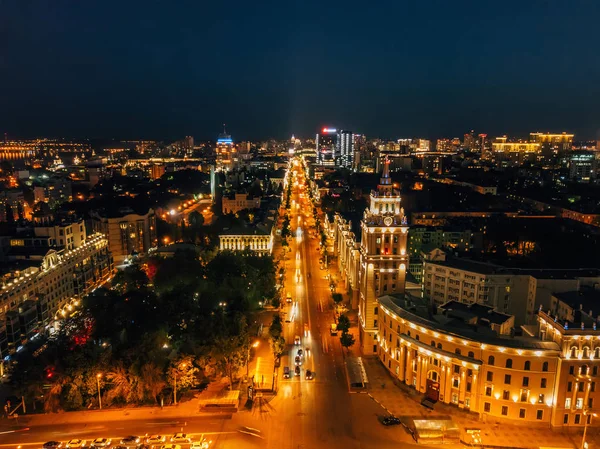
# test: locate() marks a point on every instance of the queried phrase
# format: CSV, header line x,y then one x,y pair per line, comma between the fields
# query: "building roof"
x,y
586,299
479,311
491,269
472,265
417,311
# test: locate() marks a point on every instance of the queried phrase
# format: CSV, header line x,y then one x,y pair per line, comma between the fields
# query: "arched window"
x,y
457,351
508,363
527,366
545,366
433,343
574,351
586,352
408,333
584,370
417,337
439,346
597,353
471,354
491,360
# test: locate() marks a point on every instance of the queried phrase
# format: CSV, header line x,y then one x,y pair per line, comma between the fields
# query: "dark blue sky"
x,y
129,69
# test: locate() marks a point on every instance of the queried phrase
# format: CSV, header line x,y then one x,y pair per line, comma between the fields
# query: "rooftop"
x,y
587,299
417,311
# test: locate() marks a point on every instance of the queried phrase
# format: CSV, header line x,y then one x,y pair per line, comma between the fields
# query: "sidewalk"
x,y
402,401
182,410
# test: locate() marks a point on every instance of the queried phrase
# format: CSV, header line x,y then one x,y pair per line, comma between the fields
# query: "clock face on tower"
x,y
388,221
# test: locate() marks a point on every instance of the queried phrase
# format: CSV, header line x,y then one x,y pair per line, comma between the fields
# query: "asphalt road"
x,y
305,413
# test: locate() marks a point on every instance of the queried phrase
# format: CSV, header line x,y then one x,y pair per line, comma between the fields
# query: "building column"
x,y
448,384
402,361
474,389
408,377
462,387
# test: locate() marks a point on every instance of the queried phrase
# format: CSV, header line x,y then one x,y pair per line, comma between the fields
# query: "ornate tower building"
x,y
383,256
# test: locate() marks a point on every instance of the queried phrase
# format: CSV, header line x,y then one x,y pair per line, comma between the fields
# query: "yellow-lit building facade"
x,y
255,241
547,379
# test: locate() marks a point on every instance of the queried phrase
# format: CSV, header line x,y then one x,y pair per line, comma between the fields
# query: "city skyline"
x,y
433,70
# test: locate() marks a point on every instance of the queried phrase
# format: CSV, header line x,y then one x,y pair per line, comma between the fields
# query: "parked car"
x,y
155,439
75,444
204,444
390,421
170,446
181,437
286,372
52,445
101,442
131,439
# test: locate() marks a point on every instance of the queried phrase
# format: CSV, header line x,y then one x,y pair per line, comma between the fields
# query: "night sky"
x,y
163,70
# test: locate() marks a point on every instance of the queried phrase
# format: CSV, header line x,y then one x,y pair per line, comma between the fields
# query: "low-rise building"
x,y
239,201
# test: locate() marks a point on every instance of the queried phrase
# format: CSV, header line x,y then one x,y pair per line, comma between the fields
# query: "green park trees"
x,y
346,339
164,322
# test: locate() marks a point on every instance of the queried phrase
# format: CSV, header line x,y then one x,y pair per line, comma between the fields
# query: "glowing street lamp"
x,y
98,376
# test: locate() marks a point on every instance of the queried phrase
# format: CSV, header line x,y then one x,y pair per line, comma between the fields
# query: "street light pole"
x,y
585,426
98,376
175,388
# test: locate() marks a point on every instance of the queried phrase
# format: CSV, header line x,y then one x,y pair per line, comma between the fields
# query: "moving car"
x,y
390,421
155,439
298,360
52,445
309,374
131,439
300,352
297,371
181,437
101,442
286,372
333,329
75,444
288,298
297,340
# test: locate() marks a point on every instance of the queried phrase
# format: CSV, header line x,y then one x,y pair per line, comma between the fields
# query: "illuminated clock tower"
x,y
383,256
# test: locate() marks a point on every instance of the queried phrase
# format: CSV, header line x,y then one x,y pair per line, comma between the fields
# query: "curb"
x,y
379,403
491,446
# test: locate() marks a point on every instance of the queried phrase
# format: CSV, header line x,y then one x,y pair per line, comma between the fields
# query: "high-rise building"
x,y
552,145
469,141
383,256
346,145
226,152
583,166
514,153
327,144
188,143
